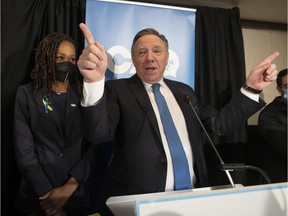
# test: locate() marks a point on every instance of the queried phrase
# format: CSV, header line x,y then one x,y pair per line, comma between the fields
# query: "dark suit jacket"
x,y
46,154
126,116
272,124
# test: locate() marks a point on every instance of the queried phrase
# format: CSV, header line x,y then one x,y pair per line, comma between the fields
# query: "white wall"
x,y
257,45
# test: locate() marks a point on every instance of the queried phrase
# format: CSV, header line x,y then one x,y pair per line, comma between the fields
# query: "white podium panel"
x,y
260,200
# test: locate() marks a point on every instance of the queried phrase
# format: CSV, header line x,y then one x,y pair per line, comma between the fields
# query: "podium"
x,y
260,200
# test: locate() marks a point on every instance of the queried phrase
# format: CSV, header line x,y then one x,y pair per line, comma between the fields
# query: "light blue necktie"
x,y
182,178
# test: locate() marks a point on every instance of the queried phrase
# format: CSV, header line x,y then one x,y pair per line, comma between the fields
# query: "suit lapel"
x,y
137,88
72,101
179,96
71,117
50,110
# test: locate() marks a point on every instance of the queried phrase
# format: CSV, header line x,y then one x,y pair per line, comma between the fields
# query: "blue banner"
x,y
115,23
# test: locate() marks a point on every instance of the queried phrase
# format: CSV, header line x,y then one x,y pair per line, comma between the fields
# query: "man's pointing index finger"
x,y
87,34
269,59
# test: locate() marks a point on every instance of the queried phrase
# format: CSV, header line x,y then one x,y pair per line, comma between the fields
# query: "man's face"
x,y
150,58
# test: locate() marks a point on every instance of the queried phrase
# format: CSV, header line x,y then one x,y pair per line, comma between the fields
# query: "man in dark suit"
x,y
272,125
126,112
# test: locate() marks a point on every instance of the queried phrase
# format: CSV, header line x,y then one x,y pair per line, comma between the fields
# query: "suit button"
x,y
61,155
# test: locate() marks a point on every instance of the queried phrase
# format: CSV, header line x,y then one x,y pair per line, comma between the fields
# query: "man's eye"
x,y
142,52
157,51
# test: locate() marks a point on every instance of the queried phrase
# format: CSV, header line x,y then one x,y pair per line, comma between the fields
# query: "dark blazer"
x,y
46,154
272,125
126,116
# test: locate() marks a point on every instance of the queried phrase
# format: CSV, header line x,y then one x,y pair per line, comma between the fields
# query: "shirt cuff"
x,y
250,95
92,92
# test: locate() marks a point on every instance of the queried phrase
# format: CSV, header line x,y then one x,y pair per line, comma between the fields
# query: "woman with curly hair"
x,y
49,148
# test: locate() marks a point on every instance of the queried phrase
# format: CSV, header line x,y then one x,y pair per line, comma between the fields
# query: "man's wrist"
x,y
252,90
92,92
86,80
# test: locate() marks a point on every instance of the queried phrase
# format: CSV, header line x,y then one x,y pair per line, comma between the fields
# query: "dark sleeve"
x,y
96,137
231,116
96,128
95,157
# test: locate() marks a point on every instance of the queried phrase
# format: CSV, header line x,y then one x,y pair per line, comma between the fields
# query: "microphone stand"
x,y
240,166
225,167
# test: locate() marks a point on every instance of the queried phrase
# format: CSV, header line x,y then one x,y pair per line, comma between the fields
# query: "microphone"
x,y
223,166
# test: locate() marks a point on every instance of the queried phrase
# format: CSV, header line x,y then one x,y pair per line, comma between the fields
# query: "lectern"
x,y
260,200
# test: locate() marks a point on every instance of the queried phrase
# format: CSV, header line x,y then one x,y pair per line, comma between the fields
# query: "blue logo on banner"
x,y
115,23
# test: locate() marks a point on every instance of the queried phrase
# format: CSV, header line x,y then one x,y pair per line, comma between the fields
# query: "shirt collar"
x,y
148,86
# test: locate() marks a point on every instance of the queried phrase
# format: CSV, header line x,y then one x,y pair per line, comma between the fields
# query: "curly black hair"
x,y
45,56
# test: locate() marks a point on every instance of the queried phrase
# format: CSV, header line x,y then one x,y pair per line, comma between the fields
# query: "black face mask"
x,y
63,71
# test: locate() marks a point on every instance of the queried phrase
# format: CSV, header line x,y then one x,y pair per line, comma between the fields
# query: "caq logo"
x,y
120,62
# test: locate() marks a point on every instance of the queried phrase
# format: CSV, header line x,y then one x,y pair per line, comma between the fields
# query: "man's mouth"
x,y
150,69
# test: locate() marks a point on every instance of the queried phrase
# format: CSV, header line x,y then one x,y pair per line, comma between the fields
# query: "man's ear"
x,y
132,58
167,58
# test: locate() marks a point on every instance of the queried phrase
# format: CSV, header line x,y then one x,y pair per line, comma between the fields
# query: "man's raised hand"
x,y
92,62
263,73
